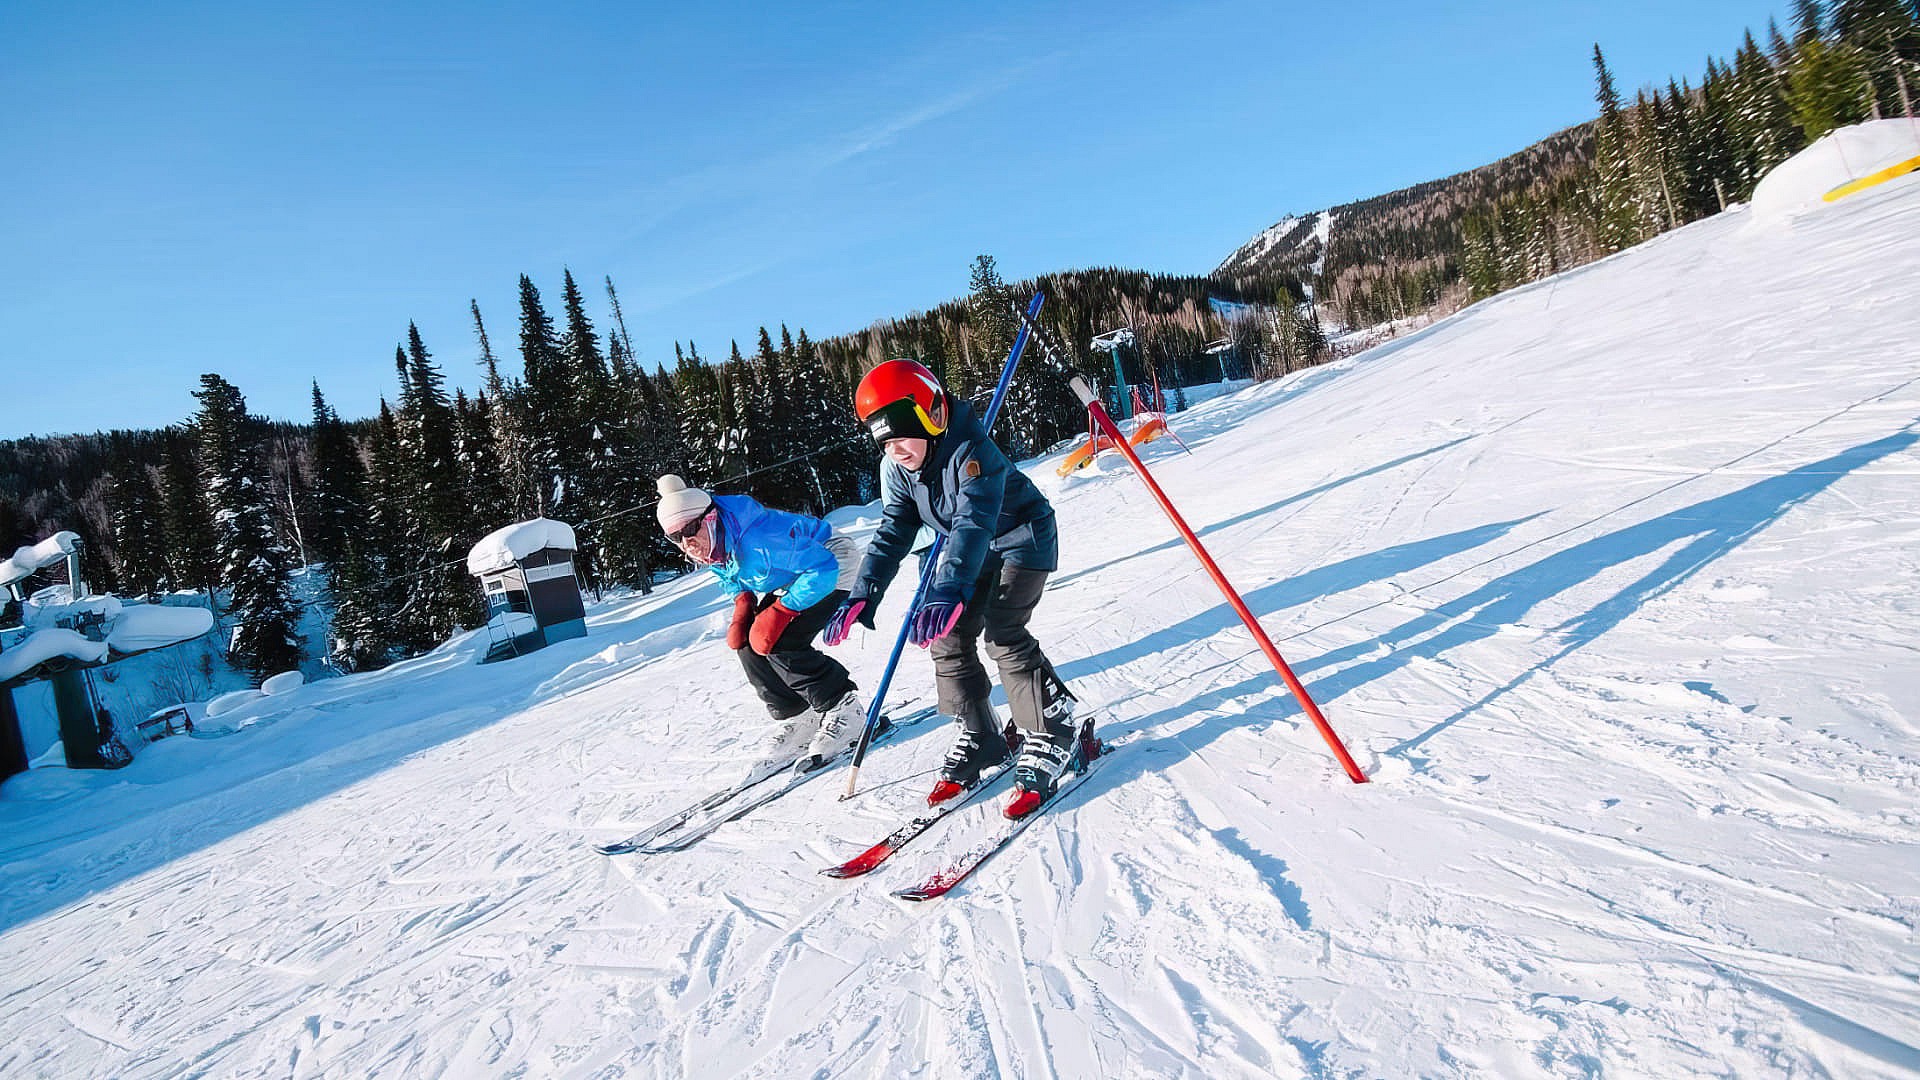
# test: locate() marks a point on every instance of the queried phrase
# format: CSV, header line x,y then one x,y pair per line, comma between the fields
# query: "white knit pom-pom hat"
x,y
679,503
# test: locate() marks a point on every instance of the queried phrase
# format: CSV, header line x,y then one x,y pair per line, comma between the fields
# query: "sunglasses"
x,y
688,531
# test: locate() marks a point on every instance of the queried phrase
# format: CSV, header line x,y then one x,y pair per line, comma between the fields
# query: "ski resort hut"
x,y
533,596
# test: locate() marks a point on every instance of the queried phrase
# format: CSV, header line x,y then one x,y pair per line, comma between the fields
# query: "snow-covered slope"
x,y
1299,244
1608,582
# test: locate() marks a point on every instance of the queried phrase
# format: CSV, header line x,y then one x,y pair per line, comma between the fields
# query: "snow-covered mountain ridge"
x,y
1606,581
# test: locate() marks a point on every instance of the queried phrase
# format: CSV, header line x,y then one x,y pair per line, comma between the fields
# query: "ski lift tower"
x,y
1110,342
65,632
1220,349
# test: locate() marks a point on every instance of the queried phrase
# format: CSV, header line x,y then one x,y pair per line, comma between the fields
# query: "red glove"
x,y
742,618
770,625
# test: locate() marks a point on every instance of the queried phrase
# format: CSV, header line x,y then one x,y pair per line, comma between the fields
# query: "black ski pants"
x,y
1004,597
796,675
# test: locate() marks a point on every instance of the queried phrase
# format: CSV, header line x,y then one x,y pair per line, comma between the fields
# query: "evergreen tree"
x,y
546,405
337,482
736,398
186,518
631,360
613,473
1779,49
366,627
478,455
138,534
1886,35
846,462
1657,150
1763,126
703,427
1828,87
991,318
254,565
508,438
1040,404
437,525
1613,167
772,430
1809,23
586,366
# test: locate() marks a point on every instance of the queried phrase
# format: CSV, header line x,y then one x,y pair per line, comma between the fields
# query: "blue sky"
x,y
273,191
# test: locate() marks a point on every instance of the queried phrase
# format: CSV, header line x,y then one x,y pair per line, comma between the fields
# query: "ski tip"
x,y
861,863
612,849
917,895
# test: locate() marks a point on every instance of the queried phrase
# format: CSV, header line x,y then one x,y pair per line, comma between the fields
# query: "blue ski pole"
x,y
933,553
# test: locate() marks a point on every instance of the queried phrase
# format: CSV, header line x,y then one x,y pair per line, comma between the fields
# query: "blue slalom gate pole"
x,y
933,553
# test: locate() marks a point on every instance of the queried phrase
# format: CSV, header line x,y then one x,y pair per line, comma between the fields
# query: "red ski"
x,y
941,881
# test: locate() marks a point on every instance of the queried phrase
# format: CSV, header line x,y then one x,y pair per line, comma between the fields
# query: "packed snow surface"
x,y
1608,583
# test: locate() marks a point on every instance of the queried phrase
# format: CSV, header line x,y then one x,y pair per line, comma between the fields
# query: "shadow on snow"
x,y
1704,531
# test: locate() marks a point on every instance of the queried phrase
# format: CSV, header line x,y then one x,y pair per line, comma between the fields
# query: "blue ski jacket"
x,y
969,492
773,550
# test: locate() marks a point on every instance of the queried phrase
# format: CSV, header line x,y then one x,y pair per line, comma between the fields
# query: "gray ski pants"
x,y
1003,601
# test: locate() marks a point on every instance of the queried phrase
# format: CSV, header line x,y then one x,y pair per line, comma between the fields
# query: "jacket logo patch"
x,y
973,470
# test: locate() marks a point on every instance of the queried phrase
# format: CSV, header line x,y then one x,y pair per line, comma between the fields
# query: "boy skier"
x,y
942,470
787,574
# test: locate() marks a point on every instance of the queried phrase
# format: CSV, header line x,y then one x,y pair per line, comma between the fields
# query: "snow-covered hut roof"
x,y
502,548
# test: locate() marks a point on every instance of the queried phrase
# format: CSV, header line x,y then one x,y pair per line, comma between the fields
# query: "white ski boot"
x,y
839,729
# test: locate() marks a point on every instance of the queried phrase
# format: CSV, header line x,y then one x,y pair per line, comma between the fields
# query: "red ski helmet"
x,y
901,399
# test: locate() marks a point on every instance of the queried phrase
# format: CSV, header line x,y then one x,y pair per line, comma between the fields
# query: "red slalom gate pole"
x,y
1105,423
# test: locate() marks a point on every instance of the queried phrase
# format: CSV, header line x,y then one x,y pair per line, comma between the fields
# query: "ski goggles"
x,y
903,419
692,528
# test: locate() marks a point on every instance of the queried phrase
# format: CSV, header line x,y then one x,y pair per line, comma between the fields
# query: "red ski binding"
x,y
943,791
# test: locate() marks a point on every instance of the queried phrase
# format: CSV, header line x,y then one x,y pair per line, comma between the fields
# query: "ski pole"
x,y
932,557
1106,424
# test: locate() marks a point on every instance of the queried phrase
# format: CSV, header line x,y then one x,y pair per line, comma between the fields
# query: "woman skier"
x,y
787,575
940,469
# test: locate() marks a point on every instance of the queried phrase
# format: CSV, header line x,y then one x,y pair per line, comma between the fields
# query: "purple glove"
x,y
936,616
843,619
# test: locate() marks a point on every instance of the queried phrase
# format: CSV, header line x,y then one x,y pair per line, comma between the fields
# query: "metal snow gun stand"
x,y
533,596
1104,424
1111,343
69,632
1149,410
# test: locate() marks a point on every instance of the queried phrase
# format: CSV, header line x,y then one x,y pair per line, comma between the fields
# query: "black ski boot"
x,y
1044,756
979,746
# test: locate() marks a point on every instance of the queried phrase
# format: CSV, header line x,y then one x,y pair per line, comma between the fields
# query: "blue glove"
x,y
936,615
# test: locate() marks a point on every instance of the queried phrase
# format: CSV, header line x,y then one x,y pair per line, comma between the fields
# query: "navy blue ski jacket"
x,y
970,493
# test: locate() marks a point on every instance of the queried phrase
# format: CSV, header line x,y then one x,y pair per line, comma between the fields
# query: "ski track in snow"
x,y
1607,583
